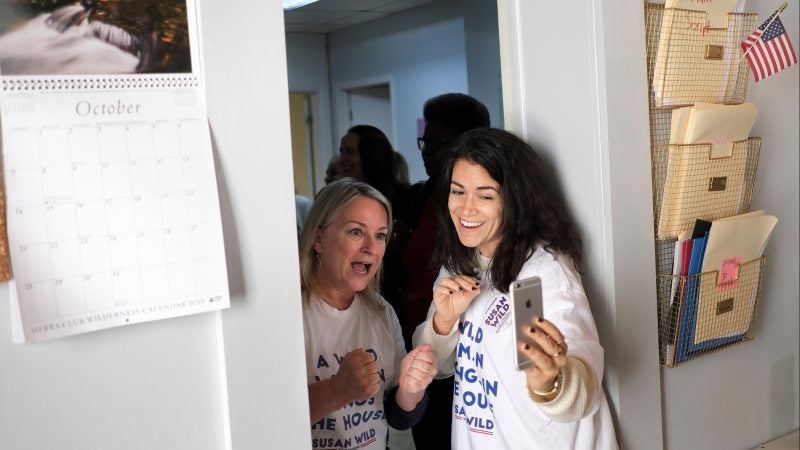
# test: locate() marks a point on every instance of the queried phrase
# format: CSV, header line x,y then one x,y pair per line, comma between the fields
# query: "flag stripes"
x,y
770,50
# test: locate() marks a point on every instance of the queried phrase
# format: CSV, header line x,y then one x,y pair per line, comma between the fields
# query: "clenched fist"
x,y
417,369
357,378
416,373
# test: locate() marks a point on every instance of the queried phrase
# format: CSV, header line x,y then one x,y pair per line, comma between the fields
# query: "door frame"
x,y
341,110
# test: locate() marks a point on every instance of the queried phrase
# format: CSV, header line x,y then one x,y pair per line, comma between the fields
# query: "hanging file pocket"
x,y
690,62
689,184
704,315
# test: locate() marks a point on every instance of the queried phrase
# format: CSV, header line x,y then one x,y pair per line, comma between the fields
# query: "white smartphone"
x,y
526,298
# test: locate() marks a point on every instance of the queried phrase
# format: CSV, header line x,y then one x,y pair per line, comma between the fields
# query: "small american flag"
x,y
771,50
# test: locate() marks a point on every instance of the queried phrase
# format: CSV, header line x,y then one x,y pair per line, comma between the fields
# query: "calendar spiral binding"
x,y
20,84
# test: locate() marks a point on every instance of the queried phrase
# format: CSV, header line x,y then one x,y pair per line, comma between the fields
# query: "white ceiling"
x,y
327,15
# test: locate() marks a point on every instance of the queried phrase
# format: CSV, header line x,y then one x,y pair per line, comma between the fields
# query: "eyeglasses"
x,y
431,142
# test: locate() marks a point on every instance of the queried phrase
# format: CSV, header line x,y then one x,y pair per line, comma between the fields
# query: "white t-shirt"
x,y
329,335
492,408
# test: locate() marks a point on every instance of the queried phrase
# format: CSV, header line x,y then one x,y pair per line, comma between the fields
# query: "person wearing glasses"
x,y
447,117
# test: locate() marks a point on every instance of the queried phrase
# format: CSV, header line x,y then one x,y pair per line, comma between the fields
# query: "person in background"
x,y
333,172
368,156
301,207
401,170
500,220
360,379
446,117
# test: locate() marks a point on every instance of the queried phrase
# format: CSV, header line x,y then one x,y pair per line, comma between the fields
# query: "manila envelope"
x,y
717,10
743,237
712,123
677,130
724,313
720,126
685,71
687,195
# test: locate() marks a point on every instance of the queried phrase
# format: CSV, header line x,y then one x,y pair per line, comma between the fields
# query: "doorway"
x,y
371,105
350,69
302,132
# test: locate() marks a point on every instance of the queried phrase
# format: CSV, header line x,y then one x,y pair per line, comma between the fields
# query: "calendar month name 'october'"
x,y
85,108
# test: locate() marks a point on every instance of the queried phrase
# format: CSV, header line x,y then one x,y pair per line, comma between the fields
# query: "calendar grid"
x,y
124,214
74,187
48,207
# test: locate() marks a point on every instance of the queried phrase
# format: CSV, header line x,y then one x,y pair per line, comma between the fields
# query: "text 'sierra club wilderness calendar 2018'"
x,y
111,198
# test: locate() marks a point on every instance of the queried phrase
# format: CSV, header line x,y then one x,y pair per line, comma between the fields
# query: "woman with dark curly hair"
x,y
500,219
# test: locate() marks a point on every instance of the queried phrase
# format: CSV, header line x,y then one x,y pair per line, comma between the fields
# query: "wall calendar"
x,y
111,198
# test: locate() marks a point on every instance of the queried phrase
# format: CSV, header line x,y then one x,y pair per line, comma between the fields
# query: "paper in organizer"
x,y
707,141
733,245
683,71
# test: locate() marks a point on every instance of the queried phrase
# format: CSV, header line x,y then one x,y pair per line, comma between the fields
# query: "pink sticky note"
x,y
729,273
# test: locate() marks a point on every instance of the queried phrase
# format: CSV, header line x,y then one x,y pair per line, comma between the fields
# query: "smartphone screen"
x,y
526,298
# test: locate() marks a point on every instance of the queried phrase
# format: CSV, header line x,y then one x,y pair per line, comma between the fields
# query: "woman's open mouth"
x,y
361,268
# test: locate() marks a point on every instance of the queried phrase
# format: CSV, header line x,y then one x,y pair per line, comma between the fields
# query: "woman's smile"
x,y
476,207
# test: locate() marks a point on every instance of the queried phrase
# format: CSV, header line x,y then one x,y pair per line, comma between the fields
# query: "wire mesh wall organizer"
x,y
689,184
687,63
693,62
698,316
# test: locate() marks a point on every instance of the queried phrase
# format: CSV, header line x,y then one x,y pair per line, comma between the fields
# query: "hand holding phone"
x,y
526,298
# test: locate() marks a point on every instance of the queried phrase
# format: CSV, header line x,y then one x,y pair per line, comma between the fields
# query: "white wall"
x,y
747,395
263,331
483,56
588,114
212,380
573,95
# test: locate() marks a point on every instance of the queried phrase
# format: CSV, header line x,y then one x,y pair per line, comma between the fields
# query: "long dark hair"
x,y
377,159
533,214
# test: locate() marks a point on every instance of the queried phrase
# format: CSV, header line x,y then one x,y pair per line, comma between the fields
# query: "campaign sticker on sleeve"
x,y
497,313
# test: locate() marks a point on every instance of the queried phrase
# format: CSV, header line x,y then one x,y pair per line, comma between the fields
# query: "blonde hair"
x,y
327,205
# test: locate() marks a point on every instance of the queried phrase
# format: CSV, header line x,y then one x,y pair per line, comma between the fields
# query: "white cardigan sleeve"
x,y
444,346
576,396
